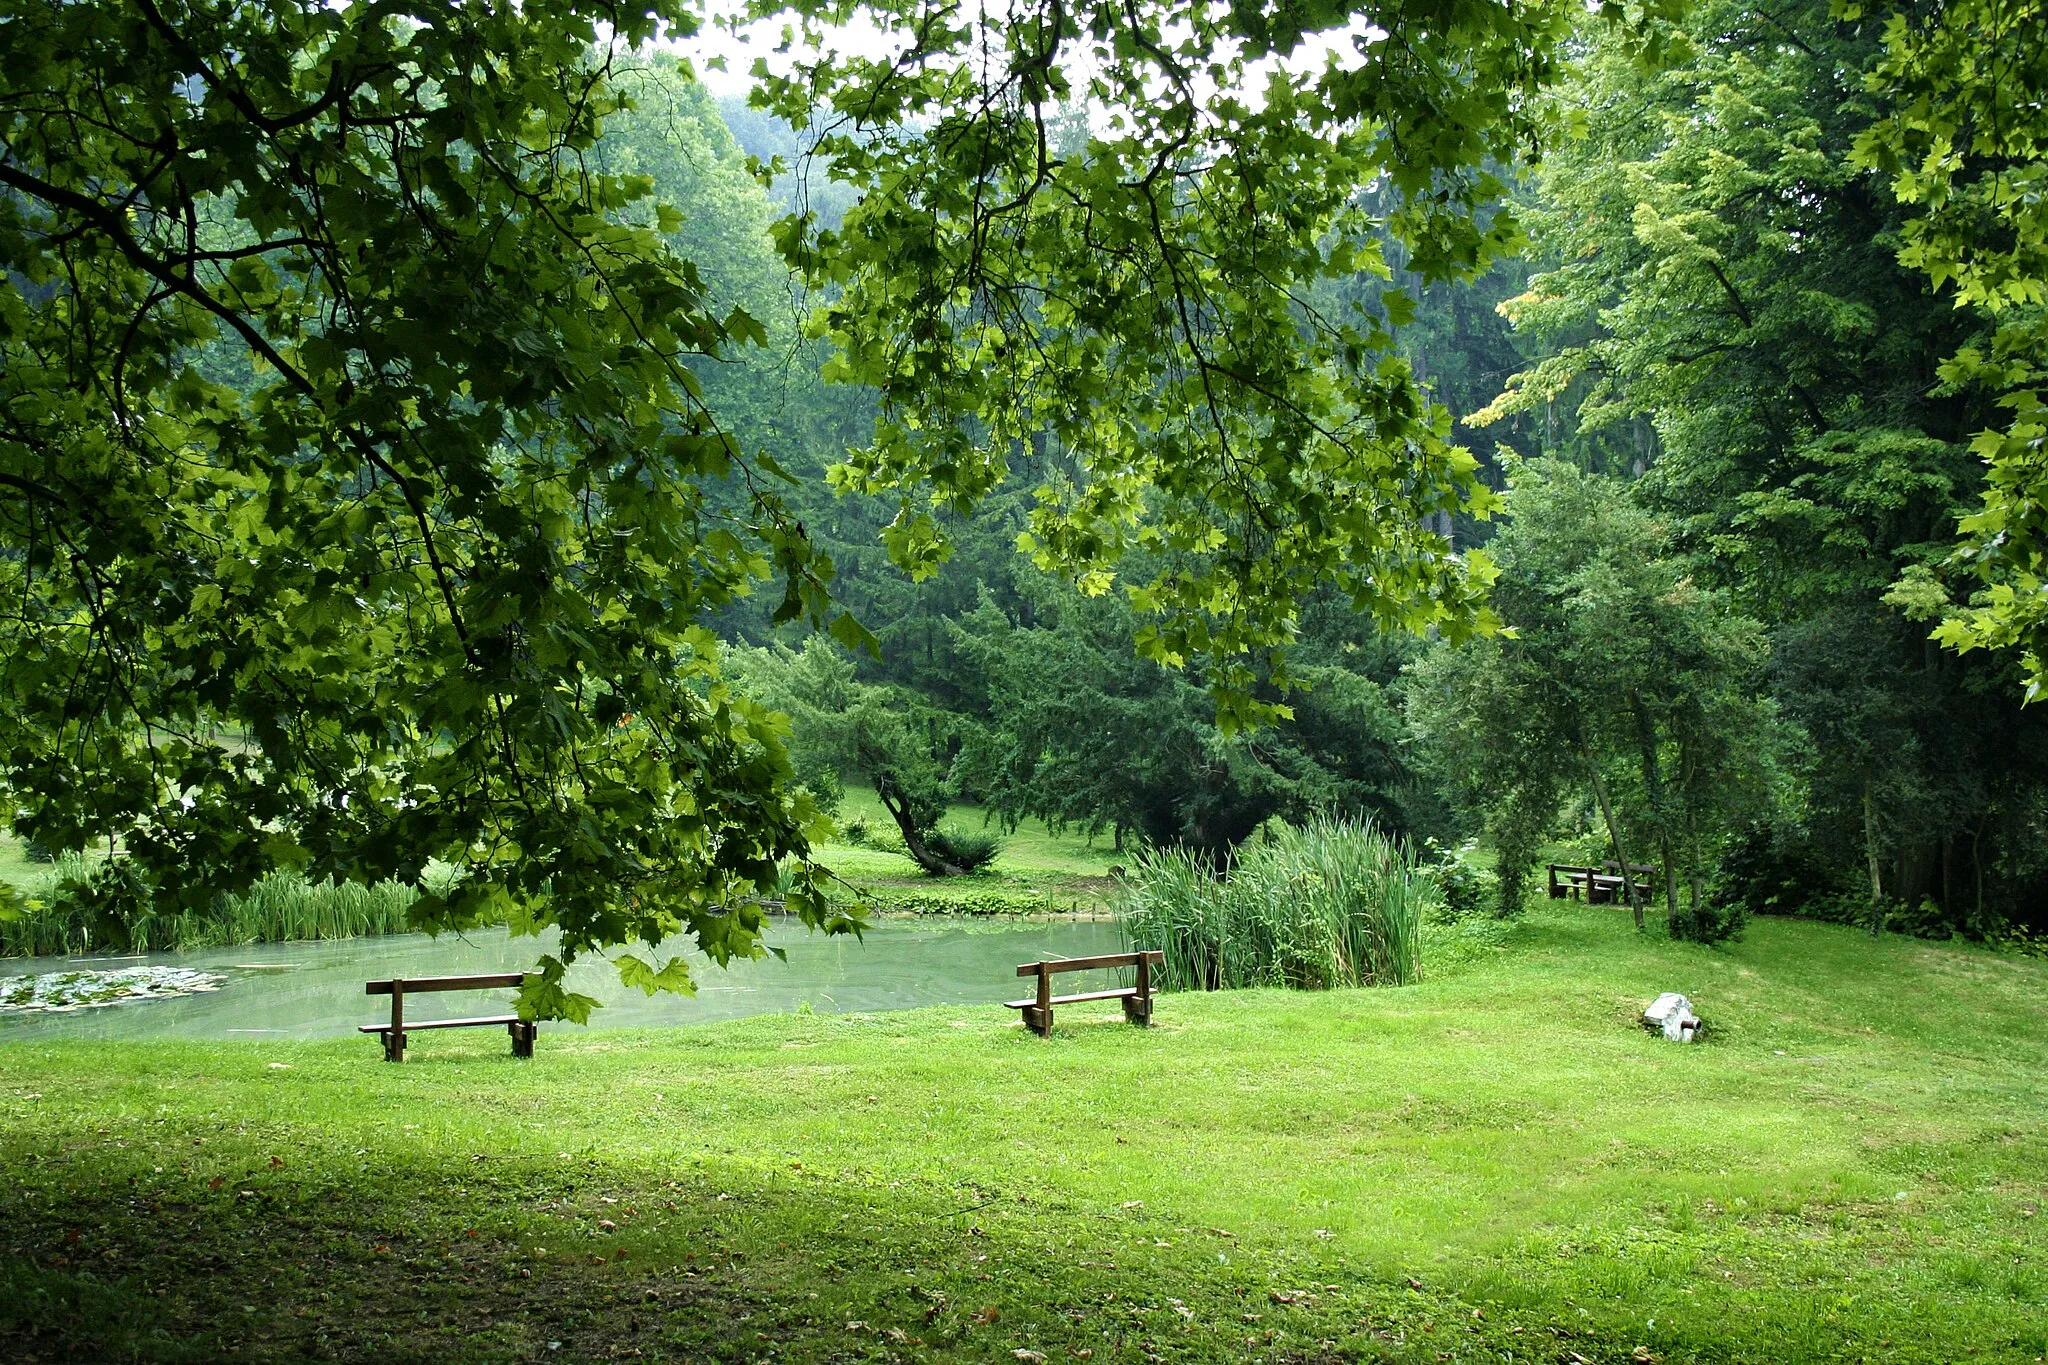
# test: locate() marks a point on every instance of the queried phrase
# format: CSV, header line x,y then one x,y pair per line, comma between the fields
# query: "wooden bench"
x,y
1137,999
523,1031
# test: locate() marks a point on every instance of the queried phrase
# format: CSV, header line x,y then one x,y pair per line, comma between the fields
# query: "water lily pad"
x,y
60,992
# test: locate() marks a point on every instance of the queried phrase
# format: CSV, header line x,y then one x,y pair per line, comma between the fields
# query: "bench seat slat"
x,y
1126,991
410,1026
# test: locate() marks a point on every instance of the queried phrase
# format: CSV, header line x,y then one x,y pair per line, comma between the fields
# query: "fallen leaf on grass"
x,y
1029,1357
987,1315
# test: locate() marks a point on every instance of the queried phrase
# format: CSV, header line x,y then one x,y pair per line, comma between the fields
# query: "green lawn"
x,y
14,863
1494,1166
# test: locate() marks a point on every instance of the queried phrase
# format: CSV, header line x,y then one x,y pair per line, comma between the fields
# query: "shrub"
x,y
967,849
857,832
1765,872
1462,890
1709,921
1329,904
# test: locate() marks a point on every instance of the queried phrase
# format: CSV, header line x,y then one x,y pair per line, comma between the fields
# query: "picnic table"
x,y
1602,885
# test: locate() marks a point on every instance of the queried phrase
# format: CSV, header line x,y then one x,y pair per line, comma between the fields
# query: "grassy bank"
x,y
1037,872
1491,1166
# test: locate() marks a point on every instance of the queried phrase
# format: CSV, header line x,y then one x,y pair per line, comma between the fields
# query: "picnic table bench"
x,y
1601,885
1137,999
523,1031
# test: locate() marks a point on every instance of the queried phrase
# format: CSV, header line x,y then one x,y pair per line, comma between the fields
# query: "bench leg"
x,y
1039,1021
522,1038
394,1045
1138,1009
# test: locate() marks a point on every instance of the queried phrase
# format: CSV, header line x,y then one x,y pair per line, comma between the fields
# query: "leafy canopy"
x,y
356,478
1965,143
1130,313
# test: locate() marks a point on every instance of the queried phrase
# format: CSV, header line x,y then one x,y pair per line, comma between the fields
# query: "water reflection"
x,y
315,990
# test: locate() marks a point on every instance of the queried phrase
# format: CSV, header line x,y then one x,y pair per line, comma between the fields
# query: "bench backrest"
x,y
412,985
1081,964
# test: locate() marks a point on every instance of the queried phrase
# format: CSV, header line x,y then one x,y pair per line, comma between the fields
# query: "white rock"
x,y
1671,1014
1666,1005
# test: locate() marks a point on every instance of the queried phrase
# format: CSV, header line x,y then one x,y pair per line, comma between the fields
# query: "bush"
x,y
1331,904
1709,921
1765,873
1462,890
857,832
968,850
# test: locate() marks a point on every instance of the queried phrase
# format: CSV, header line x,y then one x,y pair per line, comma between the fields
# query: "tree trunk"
x,y
1628,878
1653,784
1870,852
898,806
1977,863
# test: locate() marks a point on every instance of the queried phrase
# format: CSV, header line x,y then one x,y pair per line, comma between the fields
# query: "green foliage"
x,y
1623,678
1721,283
360,425
890,736
1127,313
1963,138
280,908
1078,732
1707,920
1325,905
1462,890
970,850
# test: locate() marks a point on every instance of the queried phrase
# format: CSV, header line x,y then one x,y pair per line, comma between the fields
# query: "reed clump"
x,y
1330,903
282,907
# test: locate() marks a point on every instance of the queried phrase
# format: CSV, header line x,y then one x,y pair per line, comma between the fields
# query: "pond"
x,y
315,990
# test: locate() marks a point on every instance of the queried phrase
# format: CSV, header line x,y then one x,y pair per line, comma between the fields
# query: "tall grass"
x,y
1333,903
282,907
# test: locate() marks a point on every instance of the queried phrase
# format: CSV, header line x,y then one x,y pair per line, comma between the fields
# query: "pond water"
x,y
315,990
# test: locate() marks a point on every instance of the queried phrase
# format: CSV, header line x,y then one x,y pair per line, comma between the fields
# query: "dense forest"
x,y
1617,441
1730,479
